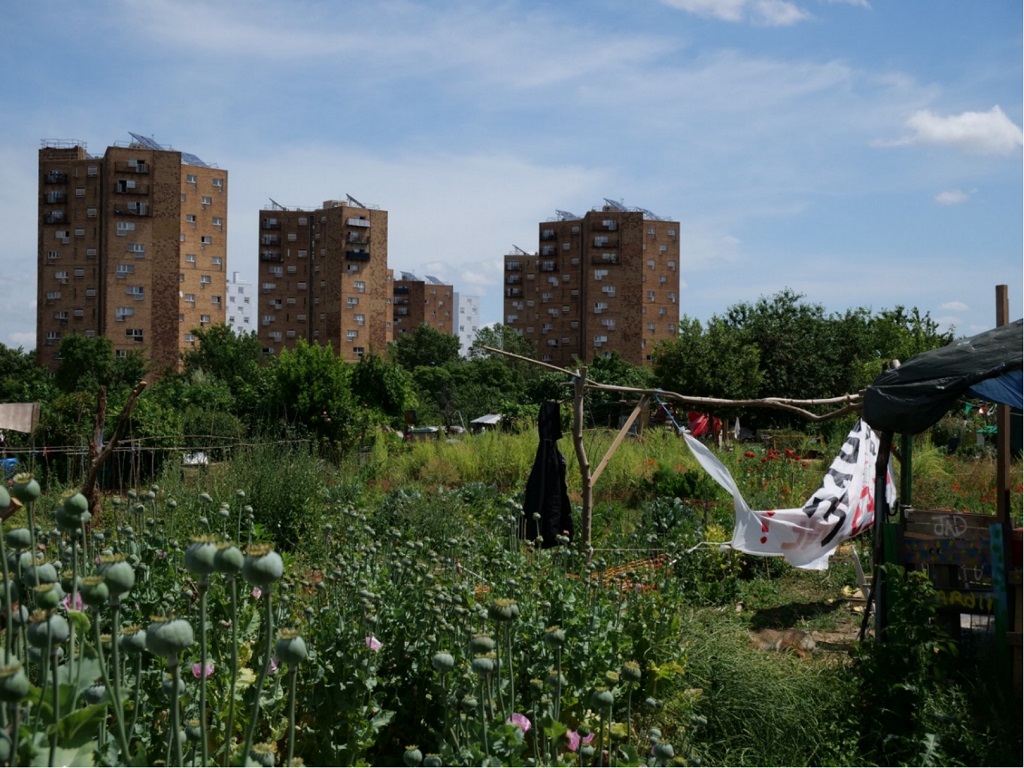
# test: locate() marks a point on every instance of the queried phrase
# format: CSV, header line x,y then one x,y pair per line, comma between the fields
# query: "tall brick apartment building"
x,y
423,301
324,277
604,282
132,246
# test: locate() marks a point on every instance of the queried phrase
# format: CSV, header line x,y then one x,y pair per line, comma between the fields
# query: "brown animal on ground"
x,y
797,640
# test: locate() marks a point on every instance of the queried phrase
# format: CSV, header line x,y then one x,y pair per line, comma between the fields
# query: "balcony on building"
x,y
56,177
513,266
547,234
548,266
513,279
131,210
131,166
131,188
357,222
270,240
56,197
360,238
357,254
267,255
513,293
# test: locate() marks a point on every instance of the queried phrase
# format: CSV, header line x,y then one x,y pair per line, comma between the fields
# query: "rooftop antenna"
x,y
276,206
565,215
352,201
517,251
616,205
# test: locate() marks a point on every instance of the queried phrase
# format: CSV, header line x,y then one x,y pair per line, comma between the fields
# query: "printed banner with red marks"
x,y
841,508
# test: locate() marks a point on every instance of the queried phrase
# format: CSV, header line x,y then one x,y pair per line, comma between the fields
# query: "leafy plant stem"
x,y
230,732
56,710
204,586
175,742
111,682
293,676
268,629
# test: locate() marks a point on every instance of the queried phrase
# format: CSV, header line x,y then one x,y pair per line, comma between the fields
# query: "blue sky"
x,y
865,153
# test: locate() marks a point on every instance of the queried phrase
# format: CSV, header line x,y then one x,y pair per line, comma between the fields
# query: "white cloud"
x,y
984,133
954,306
952,197
769,13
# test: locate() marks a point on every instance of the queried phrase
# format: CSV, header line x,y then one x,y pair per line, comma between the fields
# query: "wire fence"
x,y
133,462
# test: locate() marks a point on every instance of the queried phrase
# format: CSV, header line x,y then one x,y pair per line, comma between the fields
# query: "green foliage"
x,y
310,390
711,362
87,363
384,387
425,346
21,380
901,676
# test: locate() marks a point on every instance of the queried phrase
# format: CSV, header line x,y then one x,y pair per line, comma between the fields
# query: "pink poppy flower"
x,y
257,593
198,672
272,666
521,720
373,643
78,601
574,739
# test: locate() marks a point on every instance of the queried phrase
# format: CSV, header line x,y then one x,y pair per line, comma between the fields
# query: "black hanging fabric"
x,y
546,491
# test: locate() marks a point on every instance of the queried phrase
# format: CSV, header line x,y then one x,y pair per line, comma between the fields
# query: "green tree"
x,y
502,337
87,363
386,388
234,358
424,346
802,354
715,361
21,380
310,391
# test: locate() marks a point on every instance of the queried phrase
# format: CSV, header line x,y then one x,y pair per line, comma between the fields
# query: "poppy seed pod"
x,y
443,662
200,556
17,538
47,596
117,573
262,566
75,505
132,640
601,699
483,665
228,558
95,591
554,636
168,637
13,682
5,497
46,628
481,644
413,756
290,647
26,488
503,609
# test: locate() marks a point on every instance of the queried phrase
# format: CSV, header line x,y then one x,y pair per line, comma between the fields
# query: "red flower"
x,y
749,454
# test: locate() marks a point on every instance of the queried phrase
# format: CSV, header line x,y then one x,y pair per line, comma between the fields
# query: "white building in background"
x,y
241,307
466,320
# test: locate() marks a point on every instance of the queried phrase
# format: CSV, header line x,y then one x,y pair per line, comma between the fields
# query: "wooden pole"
x,y
579,383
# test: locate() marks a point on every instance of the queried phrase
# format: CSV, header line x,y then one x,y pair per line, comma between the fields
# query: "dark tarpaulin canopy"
x,y
911,398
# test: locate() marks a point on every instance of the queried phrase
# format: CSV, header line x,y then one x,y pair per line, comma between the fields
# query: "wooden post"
x,y
1008,625
579,384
